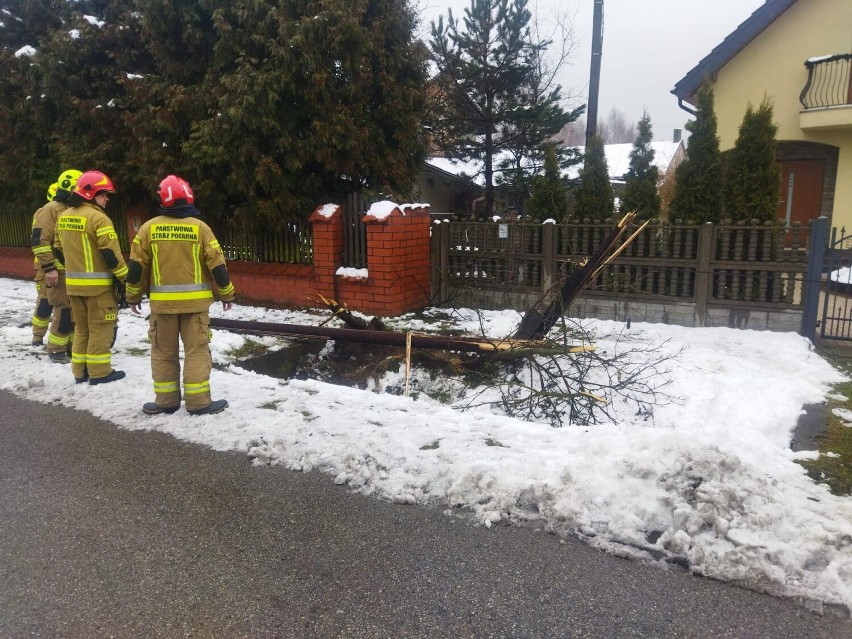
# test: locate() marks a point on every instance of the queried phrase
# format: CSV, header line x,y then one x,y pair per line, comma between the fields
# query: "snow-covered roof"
x,y
456,167
618,158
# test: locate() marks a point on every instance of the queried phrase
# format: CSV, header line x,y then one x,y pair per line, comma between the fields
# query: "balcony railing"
x,y
828,82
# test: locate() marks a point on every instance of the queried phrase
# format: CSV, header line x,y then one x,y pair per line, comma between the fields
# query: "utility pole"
x,y
595,72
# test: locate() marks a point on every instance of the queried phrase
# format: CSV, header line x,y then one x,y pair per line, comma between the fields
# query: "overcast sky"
x,y
648,46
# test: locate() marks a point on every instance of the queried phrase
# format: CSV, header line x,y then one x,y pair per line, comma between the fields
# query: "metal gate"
x,y
355,231
836,317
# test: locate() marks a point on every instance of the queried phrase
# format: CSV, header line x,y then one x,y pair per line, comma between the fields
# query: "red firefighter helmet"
x,y
91,183
175,191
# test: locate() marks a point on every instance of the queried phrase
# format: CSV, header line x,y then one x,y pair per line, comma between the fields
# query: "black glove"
x,y
120,292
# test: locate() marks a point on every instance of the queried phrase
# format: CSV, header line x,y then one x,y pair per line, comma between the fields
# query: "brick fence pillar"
x,y
327,222
399,260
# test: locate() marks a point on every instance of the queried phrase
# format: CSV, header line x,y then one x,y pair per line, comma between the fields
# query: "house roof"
x,y
753,26
618,159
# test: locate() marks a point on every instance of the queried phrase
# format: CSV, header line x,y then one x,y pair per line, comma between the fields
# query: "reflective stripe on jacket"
x,y
45,221
177,256
82,233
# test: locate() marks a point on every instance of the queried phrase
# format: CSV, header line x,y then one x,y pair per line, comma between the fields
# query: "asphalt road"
x,y
113,533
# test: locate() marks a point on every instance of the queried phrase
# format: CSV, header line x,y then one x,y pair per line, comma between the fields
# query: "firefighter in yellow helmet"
x,y
94,266
53,309
176,258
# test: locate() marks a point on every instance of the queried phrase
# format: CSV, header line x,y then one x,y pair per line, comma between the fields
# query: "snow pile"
x,y
709,481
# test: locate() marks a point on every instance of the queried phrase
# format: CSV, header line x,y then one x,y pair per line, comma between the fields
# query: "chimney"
x,y
676,135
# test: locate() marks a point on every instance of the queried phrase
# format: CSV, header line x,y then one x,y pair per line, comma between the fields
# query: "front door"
x,y
801,190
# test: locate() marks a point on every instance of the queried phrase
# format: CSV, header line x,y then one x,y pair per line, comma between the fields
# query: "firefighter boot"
x,y
152,408
114,376
213,407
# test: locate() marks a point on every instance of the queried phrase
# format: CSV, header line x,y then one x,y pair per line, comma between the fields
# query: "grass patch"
x,y
835,471
137,351
248,349
431,446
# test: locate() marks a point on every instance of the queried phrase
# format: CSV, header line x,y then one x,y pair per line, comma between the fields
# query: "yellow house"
x,y
799,54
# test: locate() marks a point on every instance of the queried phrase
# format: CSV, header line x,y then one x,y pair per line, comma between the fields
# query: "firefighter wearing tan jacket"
x,y
94,266
176,258
52,316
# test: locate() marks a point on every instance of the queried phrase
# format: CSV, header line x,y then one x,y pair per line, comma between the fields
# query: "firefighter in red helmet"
x,y
176,258
94,266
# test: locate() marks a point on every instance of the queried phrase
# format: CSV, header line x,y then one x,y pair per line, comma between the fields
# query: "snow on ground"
x,y
709,482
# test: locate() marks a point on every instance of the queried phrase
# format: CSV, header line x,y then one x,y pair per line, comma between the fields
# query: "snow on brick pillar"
x,y
398,257
327,223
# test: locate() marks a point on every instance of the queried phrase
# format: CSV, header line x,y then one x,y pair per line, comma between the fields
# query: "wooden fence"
x,y
488,264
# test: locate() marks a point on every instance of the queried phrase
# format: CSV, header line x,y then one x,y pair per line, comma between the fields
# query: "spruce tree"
x,y
549,198
752,173
489,98
640,188
698,179
594,196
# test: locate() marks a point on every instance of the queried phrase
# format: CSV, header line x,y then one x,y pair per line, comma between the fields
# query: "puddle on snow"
x,y
283,364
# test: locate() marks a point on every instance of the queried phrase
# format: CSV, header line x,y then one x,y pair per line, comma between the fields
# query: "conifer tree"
x,y
83,68
549,198
489,94
312,99
168,91
594,195
752,173
27,163
640,188
698,179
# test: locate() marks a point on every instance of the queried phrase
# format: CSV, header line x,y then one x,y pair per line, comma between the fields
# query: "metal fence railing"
x,y
829,82
292,243
355,231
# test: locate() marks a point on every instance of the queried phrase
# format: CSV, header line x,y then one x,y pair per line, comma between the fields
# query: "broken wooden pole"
x,y
434,342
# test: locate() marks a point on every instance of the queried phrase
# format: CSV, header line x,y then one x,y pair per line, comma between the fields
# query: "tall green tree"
x,y
170,88
594,196
549,198
489,99
267,106
699,179
27,163
752,173
83,69
312,99
640,187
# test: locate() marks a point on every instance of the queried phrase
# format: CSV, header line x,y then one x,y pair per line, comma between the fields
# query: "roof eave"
x,y
687,87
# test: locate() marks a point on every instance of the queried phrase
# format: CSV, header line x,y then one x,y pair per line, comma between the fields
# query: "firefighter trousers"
x,y
61,325
95,325
43,310
165,332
